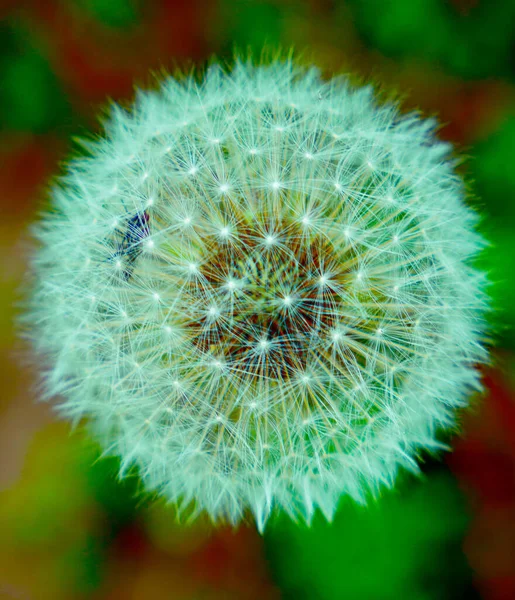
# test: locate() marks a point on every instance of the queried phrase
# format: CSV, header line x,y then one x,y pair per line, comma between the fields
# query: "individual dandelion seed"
x,y
258,288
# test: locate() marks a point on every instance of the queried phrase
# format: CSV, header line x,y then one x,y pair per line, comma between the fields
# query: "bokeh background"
x,y
68,528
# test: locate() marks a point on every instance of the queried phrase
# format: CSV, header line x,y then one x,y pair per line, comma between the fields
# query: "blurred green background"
x,y
69,529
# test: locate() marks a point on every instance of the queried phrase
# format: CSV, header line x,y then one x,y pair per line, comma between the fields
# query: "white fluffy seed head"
x,y
284,308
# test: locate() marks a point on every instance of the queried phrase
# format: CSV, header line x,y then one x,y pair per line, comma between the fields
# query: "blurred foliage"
x,y
498,259
267,20
71,529
483,460
493,172
405,545
493,181
112,13
31,97
50,513
474,43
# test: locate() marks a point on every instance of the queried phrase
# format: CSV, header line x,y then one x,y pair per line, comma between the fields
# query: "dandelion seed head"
x,y
318,315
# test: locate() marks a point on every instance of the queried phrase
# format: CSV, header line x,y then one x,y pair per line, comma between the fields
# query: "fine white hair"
x,y
259,289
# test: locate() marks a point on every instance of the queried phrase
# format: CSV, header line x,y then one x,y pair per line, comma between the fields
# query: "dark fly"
x,y
130,246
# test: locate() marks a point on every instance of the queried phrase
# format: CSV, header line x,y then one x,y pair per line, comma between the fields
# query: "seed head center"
x,y
272,302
